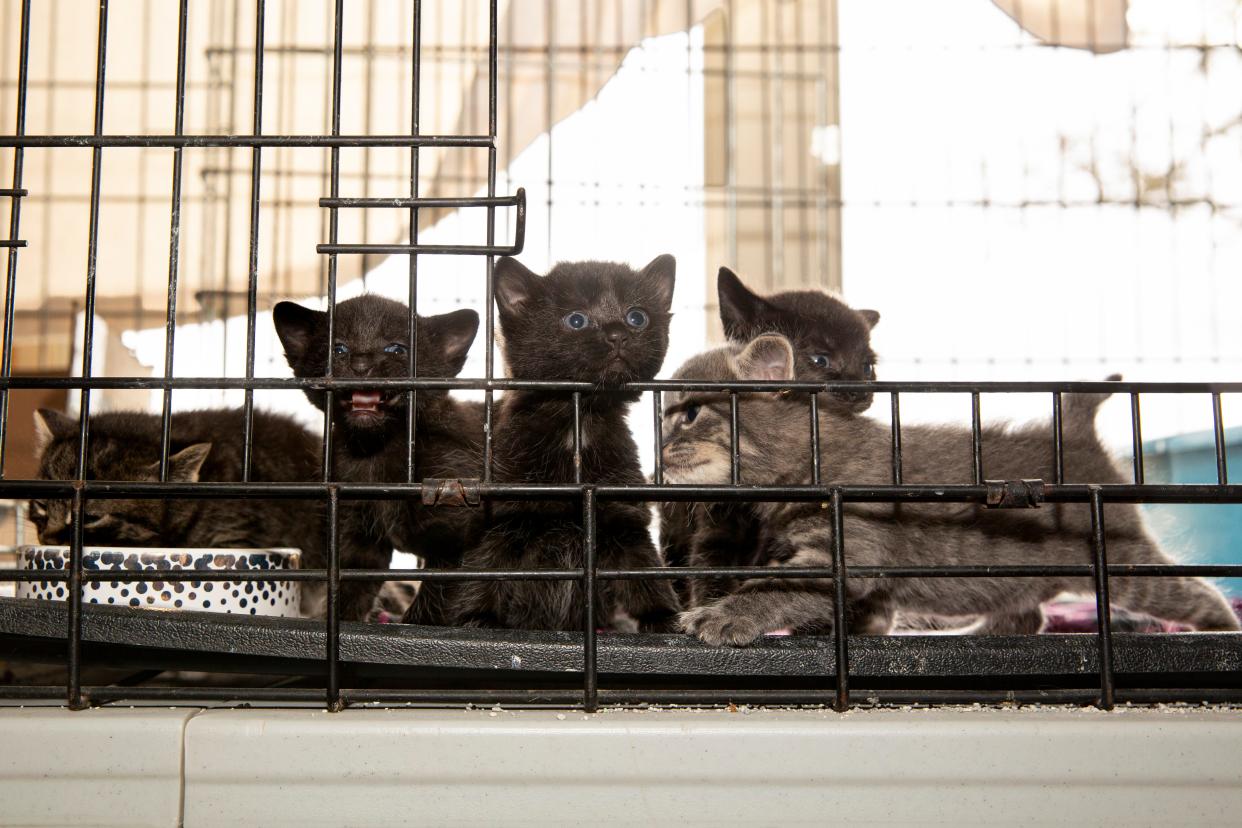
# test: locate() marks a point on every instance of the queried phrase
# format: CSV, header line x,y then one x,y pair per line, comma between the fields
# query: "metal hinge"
x,y
1014,494
455,492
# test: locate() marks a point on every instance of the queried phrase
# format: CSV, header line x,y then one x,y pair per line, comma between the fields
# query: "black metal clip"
x,y
1014,494
438,492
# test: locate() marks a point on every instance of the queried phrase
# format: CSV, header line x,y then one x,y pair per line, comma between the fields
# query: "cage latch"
x,y
455,492
1014,494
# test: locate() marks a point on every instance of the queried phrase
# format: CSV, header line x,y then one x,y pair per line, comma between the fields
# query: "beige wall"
x,y
771,86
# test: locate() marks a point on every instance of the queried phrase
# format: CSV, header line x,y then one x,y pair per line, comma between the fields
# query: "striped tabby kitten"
x,y
775,450
204,446
832,341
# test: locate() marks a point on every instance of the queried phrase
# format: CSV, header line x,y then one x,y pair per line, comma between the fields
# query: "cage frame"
x,y
840,695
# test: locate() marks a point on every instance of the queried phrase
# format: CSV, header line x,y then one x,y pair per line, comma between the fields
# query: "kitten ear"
x,y
51,424
184,466
662,273
515,285
454,333
871,317
296,326
740,309
768,357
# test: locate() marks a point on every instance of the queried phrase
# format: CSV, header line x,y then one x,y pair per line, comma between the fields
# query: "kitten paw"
x,y
718,627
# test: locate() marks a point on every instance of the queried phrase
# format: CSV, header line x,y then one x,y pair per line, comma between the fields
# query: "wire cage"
x,y
244,198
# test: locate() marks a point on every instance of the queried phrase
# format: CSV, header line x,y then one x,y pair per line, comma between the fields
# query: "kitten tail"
x,y
1079,410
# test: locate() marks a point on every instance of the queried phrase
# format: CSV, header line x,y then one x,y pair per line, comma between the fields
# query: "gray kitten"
x,y
775,449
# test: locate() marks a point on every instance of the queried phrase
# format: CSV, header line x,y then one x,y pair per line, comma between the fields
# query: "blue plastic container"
x,y
1196,533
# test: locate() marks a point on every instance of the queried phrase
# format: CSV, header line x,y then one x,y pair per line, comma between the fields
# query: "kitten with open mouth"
x,y
371,340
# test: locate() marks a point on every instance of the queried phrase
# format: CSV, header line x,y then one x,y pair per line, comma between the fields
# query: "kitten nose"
x,y
616,335
361,363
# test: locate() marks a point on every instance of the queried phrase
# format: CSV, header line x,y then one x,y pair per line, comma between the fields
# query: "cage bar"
x,y
252,280
735,452
1218,435
174,243
15,194
839,633
590,676
1136,430
815,459
1058,444
413,203
773,194
895,421
1103,611
657,422
976,437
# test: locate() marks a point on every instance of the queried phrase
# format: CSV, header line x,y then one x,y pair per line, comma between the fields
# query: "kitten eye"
x,y
576,321
636,318
340,349
820,360
395,348
692,413
869,370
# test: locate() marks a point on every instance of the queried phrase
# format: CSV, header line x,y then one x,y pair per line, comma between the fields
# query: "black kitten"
x,y
371,340
832,341
204,445
591,322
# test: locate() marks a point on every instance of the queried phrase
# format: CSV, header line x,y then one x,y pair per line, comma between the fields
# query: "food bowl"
x,y
272,598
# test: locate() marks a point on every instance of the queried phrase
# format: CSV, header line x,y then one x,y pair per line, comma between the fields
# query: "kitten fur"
x,y
204,445
817,324
775,450
831,341
534,444
371,339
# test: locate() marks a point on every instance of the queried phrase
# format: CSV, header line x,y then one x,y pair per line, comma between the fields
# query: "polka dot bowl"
x,y
272,598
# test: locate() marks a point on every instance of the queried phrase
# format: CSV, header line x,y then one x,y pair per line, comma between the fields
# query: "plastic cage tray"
x,y
396,654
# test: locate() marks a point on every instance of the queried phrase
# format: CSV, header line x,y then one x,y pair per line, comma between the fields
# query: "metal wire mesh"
x,y
800,243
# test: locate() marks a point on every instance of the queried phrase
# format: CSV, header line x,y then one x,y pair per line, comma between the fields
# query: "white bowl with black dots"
x,y
272,598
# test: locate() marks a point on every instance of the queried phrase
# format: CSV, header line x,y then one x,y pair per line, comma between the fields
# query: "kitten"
x,y
204,445
832,341
775,450
594,322
371,339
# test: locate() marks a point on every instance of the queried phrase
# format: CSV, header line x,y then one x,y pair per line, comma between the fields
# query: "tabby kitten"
x,y
856,450
594,322
832,341
371,340
204,445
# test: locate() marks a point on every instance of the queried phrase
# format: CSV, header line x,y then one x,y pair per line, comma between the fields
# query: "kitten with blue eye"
x,y
371,340
775,449
594,322
831,341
